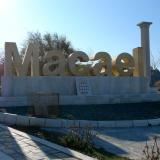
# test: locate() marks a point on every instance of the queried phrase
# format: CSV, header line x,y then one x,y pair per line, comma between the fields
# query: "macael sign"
x,y
55,63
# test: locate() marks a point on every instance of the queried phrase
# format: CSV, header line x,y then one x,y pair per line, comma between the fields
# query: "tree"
x,y
1,55
1,62
155,73
48,42
155,62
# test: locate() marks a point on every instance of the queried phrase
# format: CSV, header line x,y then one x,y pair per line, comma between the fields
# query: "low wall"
x,y
14,119
84,100
145,110
13,86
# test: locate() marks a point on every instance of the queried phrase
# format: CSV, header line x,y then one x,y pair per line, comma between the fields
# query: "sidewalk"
x,y
21,146
127,142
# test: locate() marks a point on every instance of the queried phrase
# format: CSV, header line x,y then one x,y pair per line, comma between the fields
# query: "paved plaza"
x,y
21,146
127,142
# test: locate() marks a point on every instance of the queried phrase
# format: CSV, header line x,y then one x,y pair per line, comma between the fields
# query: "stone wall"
x,y
13,86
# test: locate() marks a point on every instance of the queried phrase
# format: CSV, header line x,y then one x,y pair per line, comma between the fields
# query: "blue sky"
x,y
91,25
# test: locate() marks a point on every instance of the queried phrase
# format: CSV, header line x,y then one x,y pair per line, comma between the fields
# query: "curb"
x,y
14,119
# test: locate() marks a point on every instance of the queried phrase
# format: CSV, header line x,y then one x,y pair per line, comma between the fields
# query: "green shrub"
x,y
79,138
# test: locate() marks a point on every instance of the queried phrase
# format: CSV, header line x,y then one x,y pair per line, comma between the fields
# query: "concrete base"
x,y
42,103
13,86
85,100
102,90
108,99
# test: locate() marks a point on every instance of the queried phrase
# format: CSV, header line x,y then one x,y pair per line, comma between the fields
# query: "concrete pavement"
x,y
21,146
127,142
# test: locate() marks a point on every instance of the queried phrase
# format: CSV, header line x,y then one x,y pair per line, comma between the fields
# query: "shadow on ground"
x,y
23,148
137,134
128,142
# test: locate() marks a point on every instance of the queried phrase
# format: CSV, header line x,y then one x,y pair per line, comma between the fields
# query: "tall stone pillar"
x,y
145,44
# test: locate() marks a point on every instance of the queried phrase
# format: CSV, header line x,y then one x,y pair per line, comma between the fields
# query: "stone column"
x,y
145,44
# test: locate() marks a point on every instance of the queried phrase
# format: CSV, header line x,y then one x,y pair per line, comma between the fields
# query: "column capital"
x,y
144,24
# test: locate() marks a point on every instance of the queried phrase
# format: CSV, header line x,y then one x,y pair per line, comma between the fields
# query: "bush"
x,y
80,139
152,152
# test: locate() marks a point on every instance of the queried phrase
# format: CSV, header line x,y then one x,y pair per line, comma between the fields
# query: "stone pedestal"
x,y
45,104
67,85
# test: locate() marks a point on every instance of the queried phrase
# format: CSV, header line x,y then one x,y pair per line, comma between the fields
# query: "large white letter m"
x,y
14,64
